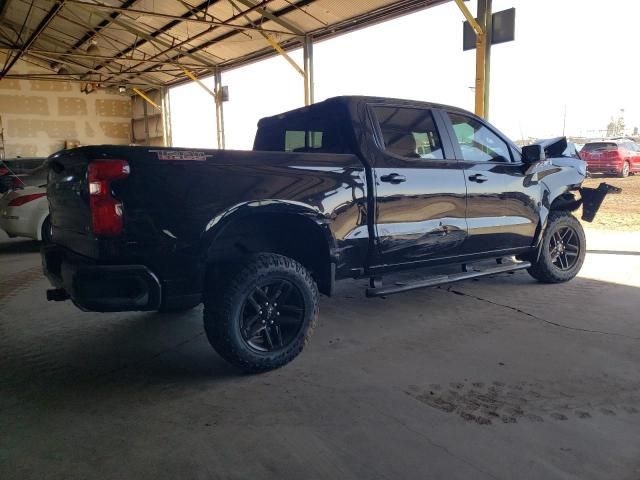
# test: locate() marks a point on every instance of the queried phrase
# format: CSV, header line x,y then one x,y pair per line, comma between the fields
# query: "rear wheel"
x,y
562,251
261,314
624,173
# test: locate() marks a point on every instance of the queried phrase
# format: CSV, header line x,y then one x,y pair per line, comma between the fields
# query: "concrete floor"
x,y
499,378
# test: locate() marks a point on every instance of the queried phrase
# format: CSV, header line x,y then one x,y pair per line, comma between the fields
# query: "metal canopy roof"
x,y
151,42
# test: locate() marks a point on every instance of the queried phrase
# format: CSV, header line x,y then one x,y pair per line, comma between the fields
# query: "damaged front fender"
x,y
592,198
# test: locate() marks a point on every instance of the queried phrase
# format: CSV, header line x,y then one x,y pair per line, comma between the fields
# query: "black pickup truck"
x,y
346,188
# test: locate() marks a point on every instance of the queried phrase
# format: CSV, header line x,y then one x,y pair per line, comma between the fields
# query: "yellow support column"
x,y
480,73
481,42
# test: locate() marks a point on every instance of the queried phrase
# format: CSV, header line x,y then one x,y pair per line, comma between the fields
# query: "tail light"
x,y
106,210
612,154
18,201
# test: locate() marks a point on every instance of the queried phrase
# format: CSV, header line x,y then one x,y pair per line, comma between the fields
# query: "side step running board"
x,y
442,279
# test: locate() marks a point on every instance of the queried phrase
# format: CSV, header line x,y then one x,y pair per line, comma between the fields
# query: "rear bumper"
x,y
613,167
101,288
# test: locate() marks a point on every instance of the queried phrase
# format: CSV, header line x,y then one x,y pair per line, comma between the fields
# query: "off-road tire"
x,y
624,172
544,269
224,300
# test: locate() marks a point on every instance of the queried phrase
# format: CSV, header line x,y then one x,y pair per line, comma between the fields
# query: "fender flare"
x,y
216,227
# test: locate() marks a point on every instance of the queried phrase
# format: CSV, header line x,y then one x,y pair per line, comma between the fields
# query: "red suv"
x,y
620,157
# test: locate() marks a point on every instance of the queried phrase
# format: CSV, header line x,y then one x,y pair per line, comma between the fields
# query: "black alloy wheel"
x,y
259,313
272,315
564,248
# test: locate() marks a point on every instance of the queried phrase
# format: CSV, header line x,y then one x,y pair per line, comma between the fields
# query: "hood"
x,y
563,154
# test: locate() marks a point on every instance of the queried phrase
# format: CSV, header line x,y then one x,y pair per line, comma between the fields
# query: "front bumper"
x,y
592,199
100,288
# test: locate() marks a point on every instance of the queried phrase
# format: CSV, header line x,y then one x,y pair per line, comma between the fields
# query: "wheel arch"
x,y
287,228
554,198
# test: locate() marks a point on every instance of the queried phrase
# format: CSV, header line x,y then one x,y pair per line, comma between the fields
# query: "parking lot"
x,y
498,378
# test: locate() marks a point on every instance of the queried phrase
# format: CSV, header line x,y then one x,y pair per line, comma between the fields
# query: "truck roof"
x,y
347,100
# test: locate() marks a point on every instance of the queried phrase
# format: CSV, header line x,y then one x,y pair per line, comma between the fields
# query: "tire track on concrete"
x,y
16,282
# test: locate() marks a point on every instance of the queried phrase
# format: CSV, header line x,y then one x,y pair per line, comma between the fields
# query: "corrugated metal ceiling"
x,y
150,42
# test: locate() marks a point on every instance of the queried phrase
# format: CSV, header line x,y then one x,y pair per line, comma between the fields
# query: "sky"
x,y
578,56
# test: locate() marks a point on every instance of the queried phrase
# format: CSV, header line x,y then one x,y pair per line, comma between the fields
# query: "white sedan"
x,y
25,213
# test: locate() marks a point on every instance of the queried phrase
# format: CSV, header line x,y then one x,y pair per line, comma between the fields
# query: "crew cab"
x,y
346,188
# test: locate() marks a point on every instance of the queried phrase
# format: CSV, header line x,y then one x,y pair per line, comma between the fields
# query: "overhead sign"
x,y
503,29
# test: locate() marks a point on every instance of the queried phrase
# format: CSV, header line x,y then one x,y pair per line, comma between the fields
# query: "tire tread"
x,y
542,269
219,311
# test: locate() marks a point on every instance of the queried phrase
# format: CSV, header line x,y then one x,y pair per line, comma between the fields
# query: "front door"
x,y
502,202
420,188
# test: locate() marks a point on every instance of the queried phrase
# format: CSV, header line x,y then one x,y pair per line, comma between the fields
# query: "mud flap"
x,y
592,199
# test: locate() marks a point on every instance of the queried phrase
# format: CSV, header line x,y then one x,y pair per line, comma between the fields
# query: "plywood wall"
x,y
38,117
152,126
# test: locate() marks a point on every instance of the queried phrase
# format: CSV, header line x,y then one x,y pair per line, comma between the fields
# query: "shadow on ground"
x,y
19,246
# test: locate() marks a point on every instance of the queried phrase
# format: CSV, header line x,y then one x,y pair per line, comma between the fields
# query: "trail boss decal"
x,y
180,155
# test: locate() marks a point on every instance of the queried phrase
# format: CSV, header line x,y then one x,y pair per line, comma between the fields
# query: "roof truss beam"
x,y
50,15
53,54
180,19
225,36
103,24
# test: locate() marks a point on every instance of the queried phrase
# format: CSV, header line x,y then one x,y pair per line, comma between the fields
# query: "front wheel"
x,y
262,313
562,251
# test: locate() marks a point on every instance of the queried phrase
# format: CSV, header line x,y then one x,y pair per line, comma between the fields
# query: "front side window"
x,y
478,143
409,132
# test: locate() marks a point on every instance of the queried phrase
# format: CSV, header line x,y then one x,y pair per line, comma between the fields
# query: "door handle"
x,y
478,178
393,178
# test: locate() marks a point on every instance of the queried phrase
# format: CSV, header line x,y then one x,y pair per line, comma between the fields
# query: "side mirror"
x,y
532,154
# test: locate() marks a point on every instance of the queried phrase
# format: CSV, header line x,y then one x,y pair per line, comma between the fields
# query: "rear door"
x,y
502,202
420,189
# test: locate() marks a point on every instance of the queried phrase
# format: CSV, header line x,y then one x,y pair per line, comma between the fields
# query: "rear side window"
x,y
592,147
477,142
306,131
409,132
297,140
